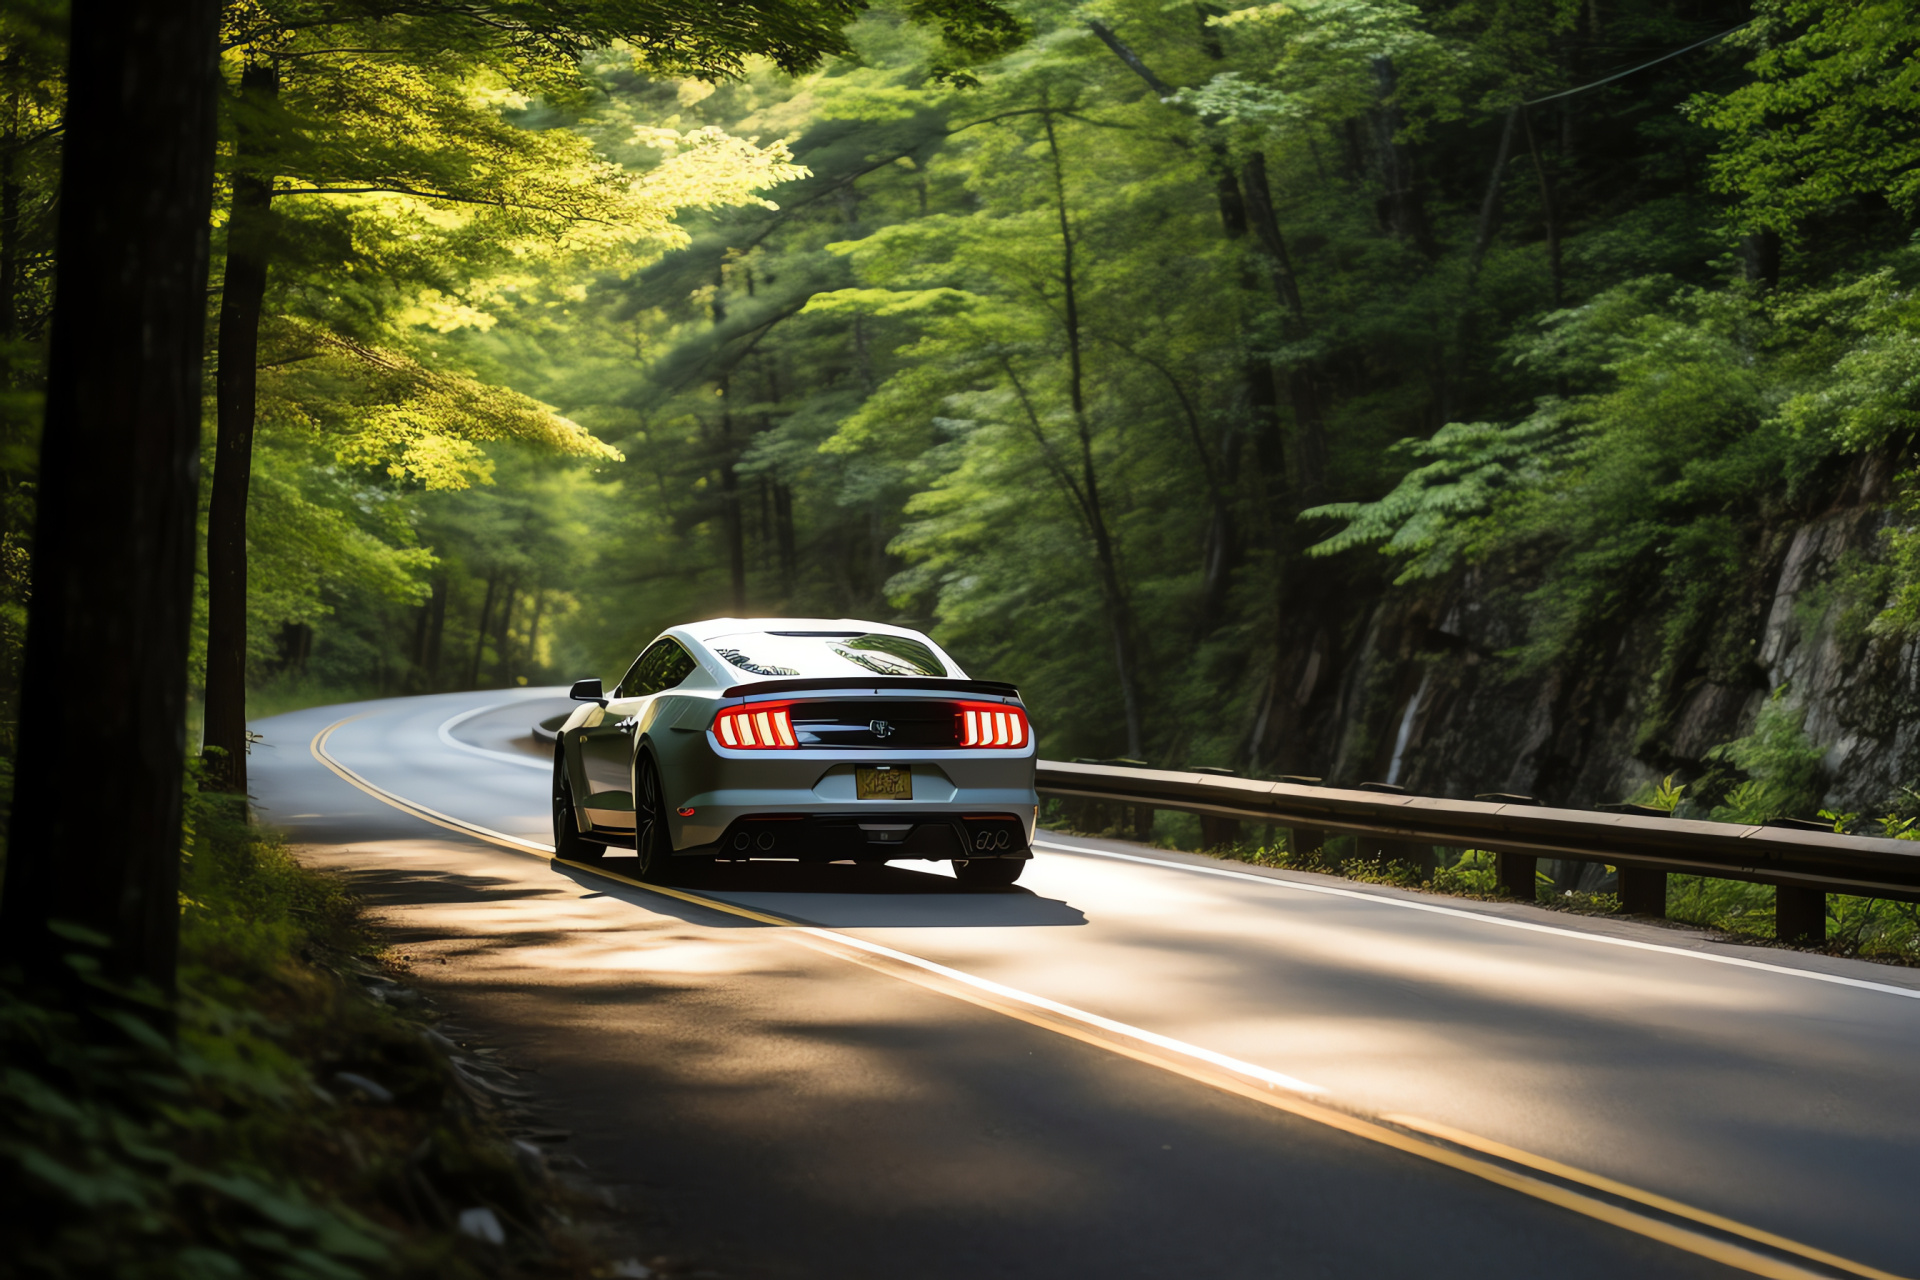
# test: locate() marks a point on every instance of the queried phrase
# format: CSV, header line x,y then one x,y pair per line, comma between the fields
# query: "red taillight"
x,y
989,724
757,726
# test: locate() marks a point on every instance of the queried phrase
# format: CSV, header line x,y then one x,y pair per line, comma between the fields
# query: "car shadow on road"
x,y
843,896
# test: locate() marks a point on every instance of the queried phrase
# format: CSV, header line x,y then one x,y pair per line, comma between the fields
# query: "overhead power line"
x,y
1621,75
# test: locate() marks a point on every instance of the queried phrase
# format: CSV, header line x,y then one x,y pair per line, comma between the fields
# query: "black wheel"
x,y
568,843
986,871
650,838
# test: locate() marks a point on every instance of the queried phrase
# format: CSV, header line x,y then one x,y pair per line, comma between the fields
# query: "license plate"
x,y
886,782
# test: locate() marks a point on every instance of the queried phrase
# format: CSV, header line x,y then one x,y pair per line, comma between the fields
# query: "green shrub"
x,y
232,1151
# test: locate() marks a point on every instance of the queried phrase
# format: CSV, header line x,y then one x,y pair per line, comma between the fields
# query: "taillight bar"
x,y
757,726
989,724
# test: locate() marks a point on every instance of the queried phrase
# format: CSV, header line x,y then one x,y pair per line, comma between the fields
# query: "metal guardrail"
x,y
1804,865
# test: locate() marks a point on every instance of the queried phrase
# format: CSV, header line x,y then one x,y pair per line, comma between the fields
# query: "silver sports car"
x,y
802,738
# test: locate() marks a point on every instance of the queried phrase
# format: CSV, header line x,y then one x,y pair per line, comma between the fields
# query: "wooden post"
x,y
1218,833
1800,916
1514,871
1643,892
1303,842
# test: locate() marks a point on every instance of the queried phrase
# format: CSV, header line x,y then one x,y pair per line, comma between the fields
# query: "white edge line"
x,y
1505,923
447,737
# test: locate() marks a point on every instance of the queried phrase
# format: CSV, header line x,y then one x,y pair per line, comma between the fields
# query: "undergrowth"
x,y
295,1128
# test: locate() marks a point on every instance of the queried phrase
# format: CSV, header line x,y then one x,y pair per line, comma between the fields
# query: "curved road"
x,y
1134,1063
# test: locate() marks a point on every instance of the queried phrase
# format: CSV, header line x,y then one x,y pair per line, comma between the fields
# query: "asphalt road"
x,y
1134,1063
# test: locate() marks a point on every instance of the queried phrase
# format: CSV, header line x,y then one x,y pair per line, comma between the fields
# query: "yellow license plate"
x,y
887,782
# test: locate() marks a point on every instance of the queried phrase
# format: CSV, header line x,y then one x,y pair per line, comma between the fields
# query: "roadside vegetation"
x,y
303,1119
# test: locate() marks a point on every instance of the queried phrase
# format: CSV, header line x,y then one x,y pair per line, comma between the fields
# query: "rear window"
x,y
828,653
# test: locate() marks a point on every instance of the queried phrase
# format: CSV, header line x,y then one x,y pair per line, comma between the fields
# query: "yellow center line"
x,y
1428,1140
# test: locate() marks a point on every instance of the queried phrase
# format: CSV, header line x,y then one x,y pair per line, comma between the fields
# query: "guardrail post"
x,y
1218,833
1515,872
1305,842
1142,824
1800,916
1643,892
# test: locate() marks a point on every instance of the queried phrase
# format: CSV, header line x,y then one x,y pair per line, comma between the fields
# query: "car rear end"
x,y
865,768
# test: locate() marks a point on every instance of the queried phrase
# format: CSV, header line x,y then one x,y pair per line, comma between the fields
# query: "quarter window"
x,y
663,665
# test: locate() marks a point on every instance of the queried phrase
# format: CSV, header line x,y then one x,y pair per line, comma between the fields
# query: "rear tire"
x,y
650,838
988,871
568,843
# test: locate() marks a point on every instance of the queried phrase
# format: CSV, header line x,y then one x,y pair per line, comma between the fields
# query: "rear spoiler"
x,y
991,688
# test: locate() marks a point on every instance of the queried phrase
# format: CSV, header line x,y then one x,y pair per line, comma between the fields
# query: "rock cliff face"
x,y
1413,689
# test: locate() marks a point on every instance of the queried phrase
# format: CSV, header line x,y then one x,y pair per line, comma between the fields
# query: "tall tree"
x,y
403,99
106,658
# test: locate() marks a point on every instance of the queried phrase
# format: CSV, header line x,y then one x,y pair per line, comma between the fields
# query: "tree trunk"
x,y
503,639
1310,432
10,231
436,630
248,230
533,630
783,530
119,483
1260,388
1402,211
1113,589
733,520
480,632
1546,209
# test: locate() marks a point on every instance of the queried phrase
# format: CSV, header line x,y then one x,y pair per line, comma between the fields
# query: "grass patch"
x,y
298,1128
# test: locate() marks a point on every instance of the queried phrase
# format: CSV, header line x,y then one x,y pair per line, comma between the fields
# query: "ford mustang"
x,y
796,738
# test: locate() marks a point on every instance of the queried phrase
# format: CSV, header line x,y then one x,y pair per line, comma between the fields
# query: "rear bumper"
x,y
872,836
814,793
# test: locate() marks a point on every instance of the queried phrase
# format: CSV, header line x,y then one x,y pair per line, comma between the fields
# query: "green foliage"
x,y
1429,520
1734,906
1472,875
1827,116
1780,767
1664,794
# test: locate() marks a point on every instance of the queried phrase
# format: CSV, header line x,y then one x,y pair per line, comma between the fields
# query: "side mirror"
x,y
587,691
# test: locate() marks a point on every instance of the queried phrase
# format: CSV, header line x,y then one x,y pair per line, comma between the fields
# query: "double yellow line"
x,y
1645,1213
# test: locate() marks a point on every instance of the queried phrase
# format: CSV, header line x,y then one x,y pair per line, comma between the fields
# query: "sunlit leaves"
x,y
382,409
1829,115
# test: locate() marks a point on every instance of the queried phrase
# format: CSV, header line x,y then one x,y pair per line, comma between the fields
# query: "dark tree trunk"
x,y
1402,211
503,641
732,519
1260,388
417,653
1106,551
436,631
1546,209
241,299
1760,258
480,631
1490,203
533,630
10,225
783,530
119,482
1310,432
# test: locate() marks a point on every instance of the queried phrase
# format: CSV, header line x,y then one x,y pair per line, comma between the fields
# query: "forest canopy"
x,y
1131,350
